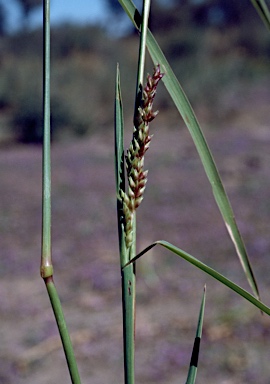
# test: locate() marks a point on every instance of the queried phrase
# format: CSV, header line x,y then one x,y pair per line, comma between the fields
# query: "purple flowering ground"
x,y
178,206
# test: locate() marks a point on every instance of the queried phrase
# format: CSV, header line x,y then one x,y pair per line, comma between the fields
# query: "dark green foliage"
x,y
2,20
28,119
28,6
81,81
24,44
66,40
69,39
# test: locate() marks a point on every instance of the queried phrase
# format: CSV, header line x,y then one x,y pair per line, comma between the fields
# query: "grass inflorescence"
x,y
136,175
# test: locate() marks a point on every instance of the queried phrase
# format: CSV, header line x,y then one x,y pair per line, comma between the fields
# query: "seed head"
x,y
140,143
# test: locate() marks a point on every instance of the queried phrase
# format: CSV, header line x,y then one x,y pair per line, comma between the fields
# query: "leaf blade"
x,y
193,367
210,271
119,164
263,11
128,275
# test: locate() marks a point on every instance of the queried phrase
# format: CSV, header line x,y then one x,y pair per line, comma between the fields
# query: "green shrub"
x,y
28,119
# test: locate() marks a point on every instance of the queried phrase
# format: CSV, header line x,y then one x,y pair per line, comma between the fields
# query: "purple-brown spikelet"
x,y
136,175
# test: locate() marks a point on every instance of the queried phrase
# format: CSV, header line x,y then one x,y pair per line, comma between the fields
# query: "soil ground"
x,y
179,208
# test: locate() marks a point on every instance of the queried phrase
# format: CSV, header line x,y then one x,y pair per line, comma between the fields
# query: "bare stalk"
x,y
46,267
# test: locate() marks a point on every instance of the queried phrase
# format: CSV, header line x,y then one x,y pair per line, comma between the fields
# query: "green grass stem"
x,y
139,90
46,267
46,261
63,331
142,51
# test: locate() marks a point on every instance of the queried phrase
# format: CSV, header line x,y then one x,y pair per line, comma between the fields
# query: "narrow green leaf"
x,y
210,271
206,157
263,11
119,164
119,135
193,367
128,275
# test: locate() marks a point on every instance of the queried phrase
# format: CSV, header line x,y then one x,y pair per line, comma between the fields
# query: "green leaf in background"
x,y
193,367
186,111
263,11
210,271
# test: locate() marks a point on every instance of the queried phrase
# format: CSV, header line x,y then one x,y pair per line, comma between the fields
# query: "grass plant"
x,y
187,113
131,179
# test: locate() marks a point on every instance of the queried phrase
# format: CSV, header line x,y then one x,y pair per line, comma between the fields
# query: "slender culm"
x,y
46,267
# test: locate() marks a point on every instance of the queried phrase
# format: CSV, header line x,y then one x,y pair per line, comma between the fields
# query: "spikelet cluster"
x,y
136,175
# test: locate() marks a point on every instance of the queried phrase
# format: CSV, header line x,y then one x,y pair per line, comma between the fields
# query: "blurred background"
x,y
220,51
215,47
